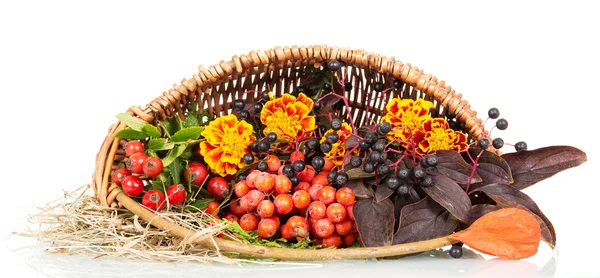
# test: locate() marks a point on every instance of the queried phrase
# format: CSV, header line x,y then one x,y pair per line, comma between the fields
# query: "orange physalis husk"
x,y
508,233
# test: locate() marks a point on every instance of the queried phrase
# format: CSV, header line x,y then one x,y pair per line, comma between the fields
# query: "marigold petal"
x,y
306,100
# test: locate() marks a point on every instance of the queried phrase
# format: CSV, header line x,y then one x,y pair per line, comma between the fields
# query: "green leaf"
x,y
190,121
132,122
160,144
176,170
152,130
171,125
130,134
189,133
188,153
158,185
199,204
173,153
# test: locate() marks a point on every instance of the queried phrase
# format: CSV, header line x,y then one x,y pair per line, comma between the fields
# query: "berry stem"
x,y
473,170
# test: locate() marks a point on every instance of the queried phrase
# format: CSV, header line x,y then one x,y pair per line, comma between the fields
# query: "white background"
x,y
67,68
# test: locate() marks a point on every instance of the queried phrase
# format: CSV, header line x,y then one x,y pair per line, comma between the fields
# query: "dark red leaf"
x,y
403,200
360,190
450,195
383,192
490,167
375,221
451,164
530,167
507,196
424,220
351,142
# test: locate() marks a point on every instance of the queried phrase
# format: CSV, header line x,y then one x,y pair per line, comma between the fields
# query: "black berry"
x,y
332,138
262,166
432,160
288,171
455,252
244,114
241,177
272,137
369,167
494,113
501,124
258,107
341,178
363,145
383,157
299,166
371,137
334,65
398,83
295,180
318,162
312,143
392,182
300,89
403,173
238,104
484,143
254,146
325,147
402,189
327,87
248,158
498,143
336,124
427,181
373,156
355,161
384,128
265,95
263,146
419,173
383,169
521,146
331,176
378,87
379,146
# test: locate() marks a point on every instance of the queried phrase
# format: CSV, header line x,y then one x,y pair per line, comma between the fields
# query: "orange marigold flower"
x,y
227,140
434,134
288,116
338,149
405,116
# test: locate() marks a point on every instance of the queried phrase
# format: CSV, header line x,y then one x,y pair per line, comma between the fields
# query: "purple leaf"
x,y
375,221
360,190
451,164
450,195
383,192
530,167
507,196
424,220
491,168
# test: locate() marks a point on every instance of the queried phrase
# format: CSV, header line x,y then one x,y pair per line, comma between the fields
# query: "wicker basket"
x,y
214,88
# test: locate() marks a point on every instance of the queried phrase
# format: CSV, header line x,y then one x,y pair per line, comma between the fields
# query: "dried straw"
x,y
79,224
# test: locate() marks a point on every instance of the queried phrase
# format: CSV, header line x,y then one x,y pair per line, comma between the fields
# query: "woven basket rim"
x,y
110,194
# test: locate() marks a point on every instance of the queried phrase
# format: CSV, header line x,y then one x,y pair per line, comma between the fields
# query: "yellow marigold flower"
x,y
288,116
338,149
434,134
405,116
227,140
